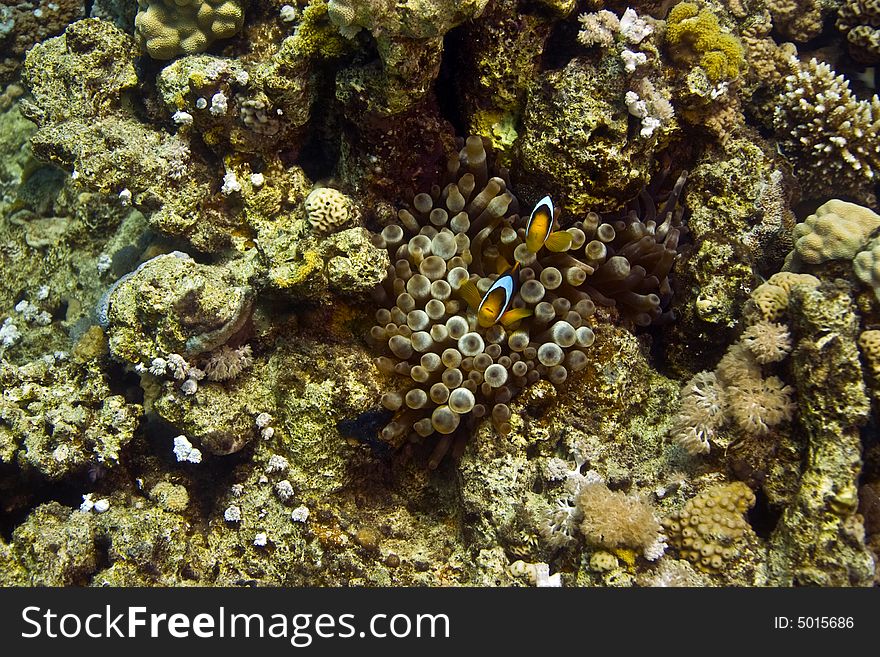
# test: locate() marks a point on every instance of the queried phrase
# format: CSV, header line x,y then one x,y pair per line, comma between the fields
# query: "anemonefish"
x,y
495,306
539,229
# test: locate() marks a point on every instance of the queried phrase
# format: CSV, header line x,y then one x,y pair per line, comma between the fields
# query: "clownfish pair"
x,y
495,305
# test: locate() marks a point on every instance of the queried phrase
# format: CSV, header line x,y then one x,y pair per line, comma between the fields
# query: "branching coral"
x,y
833,136
469,232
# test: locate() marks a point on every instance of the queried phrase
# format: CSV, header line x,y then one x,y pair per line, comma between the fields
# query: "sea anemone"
x,y
469,231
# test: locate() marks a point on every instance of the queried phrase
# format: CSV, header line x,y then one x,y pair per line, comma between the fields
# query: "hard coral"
x,y
167,28
829,132
469,231
695,36
328,209
859,20
707,531
838,230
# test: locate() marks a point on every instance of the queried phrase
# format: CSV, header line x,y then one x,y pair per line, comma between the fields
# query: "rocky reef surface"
x,y
247,332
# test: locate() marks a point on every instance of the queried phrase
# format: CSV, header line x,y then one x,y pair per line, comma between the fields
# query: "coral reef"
x,y
694,36
836,231
59,417
737,391
25,23
708,530
171,304
820,538
831,133
255,279
859,20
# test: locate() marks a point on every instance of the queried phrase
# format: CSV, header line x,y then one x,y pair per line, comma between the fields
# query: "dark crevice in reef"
x,y
206,482
320,149
446,88
870,435
762,517
122,381
561,46
20,494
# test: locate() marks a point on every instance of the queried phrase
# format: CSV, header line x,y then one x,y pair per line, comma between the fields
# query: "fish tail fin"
x,y
511,317
559,241
469,292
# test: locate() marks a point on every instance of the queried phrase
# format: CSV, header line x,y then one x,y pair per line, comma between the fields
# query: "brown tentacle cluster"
x,y
451,368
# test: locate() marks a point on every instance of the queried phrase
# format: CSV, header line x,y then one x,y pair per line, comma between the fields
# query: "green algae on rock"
x,y
576,128
171,304
59,417
832,406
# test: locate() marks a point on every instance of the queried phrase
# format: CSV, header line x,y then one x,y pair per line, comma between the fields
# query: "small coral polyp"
x,y
469,233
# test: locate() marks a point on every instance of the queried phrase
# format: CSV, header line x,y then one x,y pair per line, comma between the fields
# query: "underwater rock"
x,y
346,262
234,107
576,128
60,417
173,305
498,57
820,539
395,84
80,83
25,23
53,547
220,418
409,43
413,19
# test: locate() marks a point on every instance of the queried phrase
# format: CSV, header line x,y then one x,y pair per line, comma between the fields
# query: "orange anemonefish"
x,y
494,305
539,229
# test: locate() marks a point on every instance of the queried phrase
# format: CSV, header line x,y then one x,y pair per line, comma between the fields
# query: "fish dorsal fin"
x,y
501,265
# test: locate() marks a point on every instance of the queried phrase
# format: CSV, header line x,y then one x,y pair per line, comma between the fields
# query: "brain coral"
x,y
708,529
837,231
859,20
167,28
328,209
452,369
